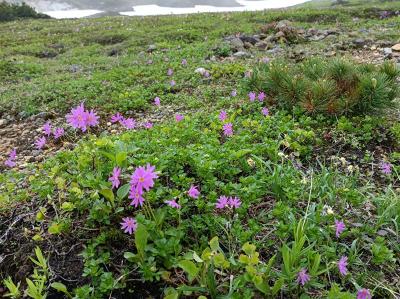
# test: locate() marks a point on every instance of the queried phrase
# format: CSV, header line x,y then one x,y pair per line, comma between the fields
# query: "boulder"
x,y
396,47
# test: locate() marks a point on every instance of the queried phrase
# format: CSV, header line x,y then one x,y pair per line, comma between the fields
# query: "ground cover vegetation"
x,y
174,167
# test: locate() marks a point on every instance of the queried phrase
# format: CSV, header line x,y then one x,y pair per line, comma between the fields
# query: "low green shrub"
x,y
333,87
11,11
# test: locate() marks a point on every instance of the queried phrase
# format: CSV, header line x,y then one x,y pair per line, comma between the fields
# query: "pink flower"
x,y
91,118
234,93
170,72
340,227
143,177
129,225
11,157
247,74
261,96
117,117
265,111
157,101
234,202
172,83
173,204
9,163
136,194
40,143
77,117
47,128
303,277
228,130
193,192
58,132
364,294
222,115
206,74
222,202
13,154
184,61
386,168
179,117
114,178
342,265
149,61
128,123
252,96
148,125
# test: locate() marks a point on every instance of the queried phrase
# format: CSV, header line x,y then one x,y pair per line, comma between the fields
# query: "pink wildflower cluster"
x,y
303,277
129,225
227,129
179,117
173,204
127,123
10,162
47,131
223,115
230,202
80,118
193,192
114,178
142,180
252,96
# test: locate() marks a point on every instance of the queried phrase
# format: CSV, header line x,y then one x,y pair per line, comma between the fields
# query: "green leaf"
x,y
54,229
120,158
248,248
171,293
277,286
123,191
130,256
190,268
196,257
262,286
67,206
61,288
108,194
211,284
141,236
214,244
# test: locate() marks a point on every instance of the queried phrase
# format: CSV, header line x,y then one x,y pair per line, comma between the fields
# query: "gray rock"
x,y
248,39
283,24
387,51
151,48
359,42
241,54
3,122
263,45
236,43
279,34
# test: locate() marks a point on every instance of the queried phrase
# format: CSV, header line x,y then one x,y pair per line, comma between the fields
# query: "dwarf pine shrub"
x,y
333,87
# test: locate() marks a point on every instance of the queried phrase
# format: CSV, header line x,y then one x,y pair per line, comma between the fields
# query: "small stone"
x,y
396,47
3,122
359,42
241,54
236,43
262,45
279,34
200,70
151,48
387,51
